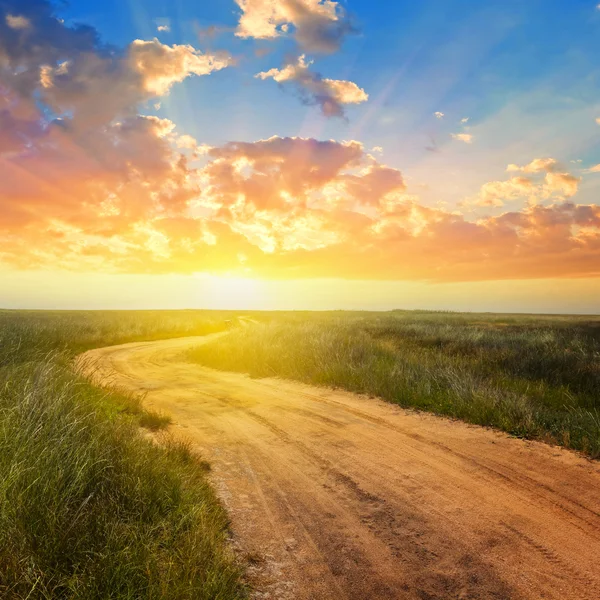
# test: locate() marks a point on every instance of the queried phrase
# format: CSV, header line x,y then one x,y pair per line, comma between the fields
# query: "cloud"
x,y
562,183
553,185
298,207
318,26
439,115
496,193
467,138
165,28
80,168
187,142
465,120
598,120
17,22
90,184
331,95
537,165
160,66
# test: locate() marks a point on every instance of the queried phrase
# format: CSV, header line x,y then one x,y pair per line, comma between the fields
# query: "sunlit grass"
x,y
89,507
534,377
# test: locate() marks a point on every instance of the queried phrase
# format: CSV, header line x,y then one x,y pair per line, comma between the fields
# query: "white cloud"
x,y
465,120
439,115
319,25
163,28
330,94
161,66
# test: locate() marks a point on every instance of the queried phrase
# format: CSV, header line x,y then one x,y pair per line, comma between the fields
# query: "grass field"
x,y
90,508
534,377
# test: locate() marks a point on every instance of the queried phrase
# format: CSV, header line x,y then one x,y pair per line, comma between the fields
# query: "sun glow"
x,y
230,292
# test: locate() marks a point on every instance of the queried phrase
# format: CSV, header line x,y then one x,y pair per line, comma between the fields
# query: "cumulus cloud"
x,y
467,138
465,120
317,25
163,28
79,166
186,141
439,115
562,183
496,193
534,189
537,165
331,95
160,66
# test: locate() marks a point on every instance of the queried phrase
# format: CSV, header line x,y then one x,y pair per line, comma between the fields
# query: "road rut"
x,y
337,496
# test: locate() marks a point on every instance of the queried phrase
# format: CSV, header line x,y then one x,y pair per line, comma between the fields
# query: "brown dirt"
x,y
333,495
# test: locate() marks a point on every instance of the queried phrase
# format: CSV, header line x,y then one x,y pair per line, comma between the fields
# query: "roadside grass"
x,y
30,335
89,507
533,377
154,421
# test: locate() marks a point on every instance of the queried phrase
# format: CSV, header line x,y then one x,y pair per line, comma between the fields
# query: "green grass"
x,y
30,335
534,377
90,508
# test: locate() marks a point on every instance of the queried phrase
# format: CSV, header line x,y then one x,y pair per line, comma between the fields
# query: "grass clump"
x,y
154,421
534,377
90,508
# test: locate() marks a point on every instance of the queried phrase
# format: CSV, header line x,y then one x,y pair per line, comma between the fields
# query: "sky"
x,y
300,154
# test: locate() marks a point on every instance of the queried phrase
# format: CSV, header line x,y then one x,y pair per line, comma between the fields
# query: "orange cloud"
x,y
537,165
554,184
562,183
294,207
496,193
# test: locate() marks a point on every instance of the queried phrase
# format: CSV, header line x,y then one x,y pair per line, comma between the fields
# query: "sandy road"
x,y
336,496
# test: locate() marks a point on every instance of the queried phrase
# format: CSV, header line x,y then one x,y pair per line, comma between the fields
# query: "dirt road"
x,y
336,496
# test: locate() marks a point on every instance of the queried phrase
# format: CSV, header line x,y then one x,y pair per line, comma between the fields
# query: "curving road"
x,y
337,496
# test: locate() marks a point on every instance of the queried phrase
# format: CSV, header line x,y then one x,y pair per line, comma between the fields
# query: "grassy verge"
x,y
90,508
534,377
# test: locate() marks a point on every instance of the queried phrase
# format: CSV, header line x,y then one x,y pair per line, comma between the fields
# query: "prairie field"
x,y
89,507
92,507
536,377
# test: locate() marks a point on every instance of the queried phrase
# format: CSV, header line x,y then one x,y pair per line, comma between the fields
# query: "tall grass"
x,y
90,508
30,335
535,377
